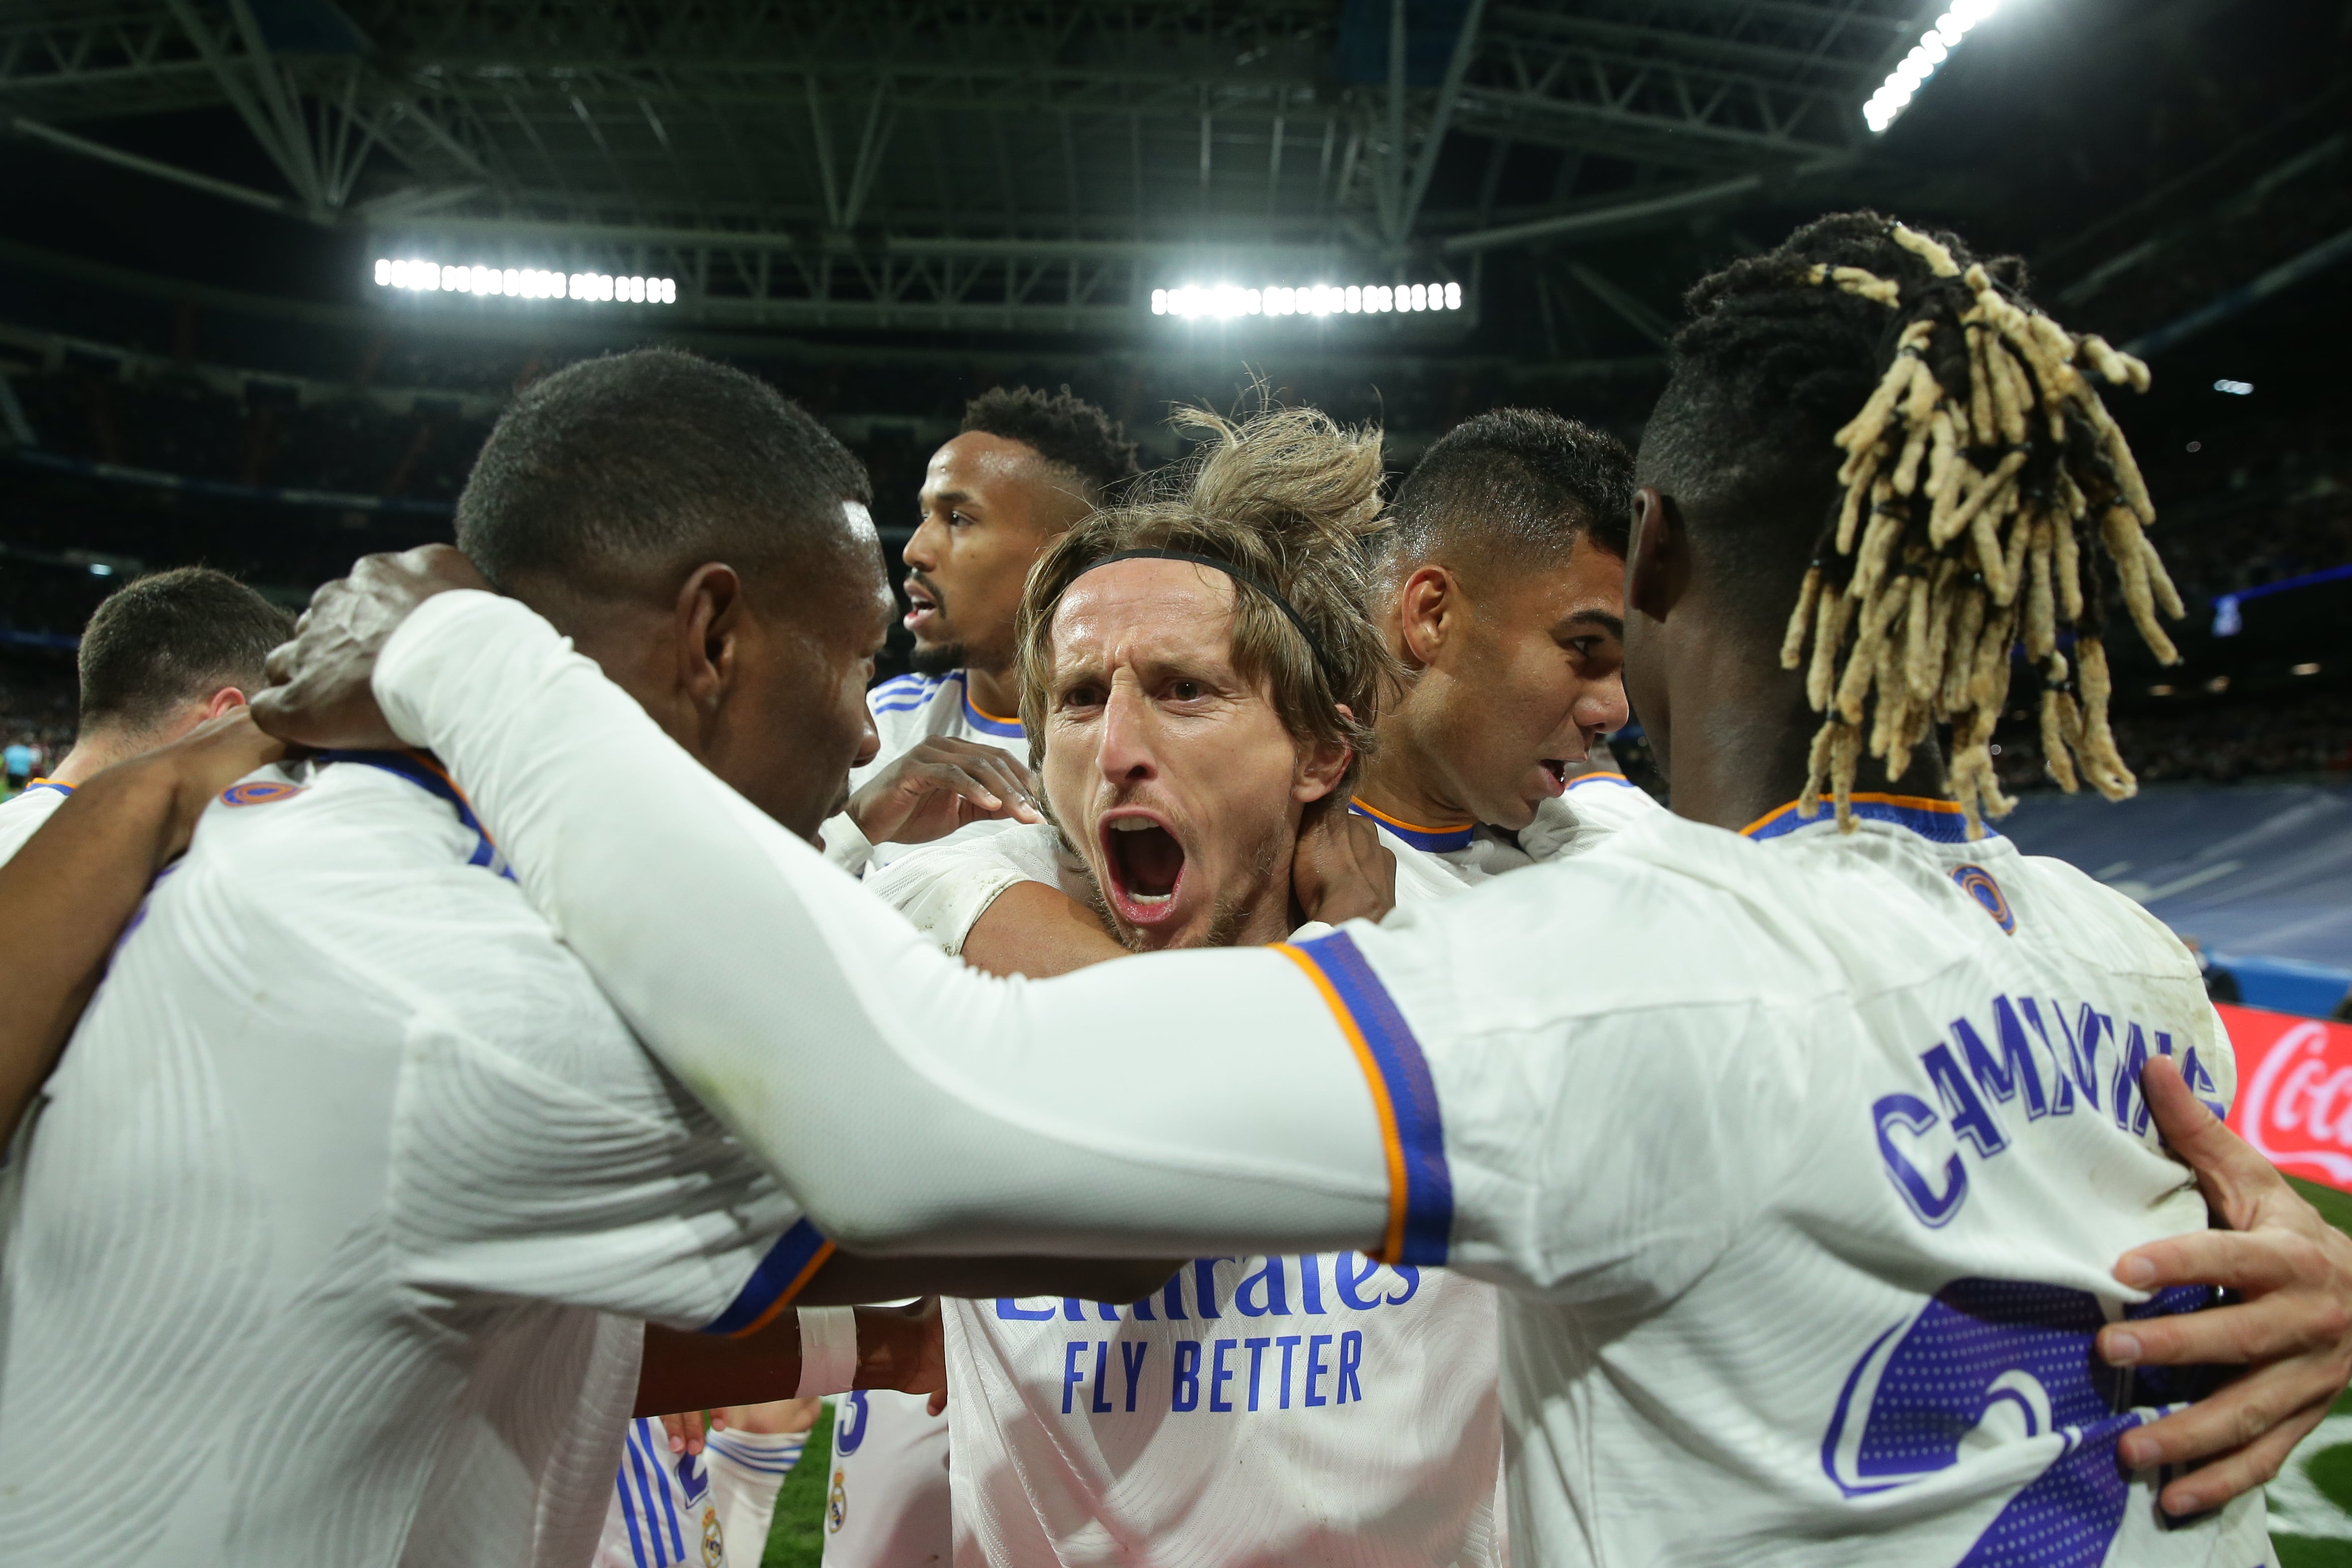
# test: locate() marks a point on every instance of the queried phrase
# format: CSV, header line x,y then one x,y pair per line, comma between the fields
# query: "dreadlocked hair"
x,y
1983,479
1287,496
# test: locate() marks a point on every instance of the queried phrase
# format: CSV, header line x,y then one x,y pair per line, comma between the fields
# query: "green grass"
x,y
797,1539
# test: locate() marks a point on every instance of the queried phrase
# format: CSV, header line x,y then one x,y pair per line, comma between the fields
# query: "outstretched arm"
x,y
85,872
1193,1101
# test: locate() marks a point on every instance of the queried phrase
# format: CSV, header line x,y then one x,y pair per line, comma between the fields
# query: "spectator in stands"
x,y
20,758
165,654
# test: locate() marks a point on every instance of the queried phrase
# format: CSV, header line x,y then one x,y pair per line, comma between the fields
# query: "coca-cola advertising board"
x,y
2294,1092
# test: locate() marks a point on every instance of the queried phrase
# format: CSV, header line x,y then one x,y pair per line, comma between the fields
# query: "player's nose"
x,y
1124,748
921,552
1602,706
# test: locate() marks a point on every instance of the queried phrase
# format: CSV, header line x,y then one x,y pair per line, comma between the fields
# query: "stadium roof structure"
x,y
952,166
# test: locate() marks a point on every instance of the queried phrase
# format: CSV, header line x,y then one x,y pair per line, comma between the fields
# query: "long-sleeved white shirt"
x,y
1803,1172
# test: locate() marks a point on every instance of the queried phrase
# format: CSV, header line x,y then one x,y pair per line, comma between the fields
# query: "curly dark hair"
x,y
1062,428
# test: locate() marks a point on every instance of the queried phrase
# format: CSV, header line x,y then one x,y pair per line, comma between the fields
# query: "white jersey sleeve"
x,y
1004,1140
945,888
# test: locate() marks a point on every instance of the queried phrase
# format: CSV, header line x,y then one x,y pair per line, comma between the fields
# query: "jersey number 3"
x,y
1999,1360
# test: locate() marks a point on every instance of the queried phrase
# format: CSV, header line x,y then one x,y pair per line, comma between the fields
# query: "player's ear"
x,y
709,628
1430,606
1321,765
1657,556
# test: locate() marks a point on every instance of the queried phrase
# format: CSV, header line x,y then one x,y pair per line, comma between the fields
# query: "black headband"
x,y
1239,574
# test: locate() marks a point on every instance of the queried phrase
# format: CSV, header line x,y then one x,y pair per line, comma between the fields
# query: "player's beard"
x,y
1228,917
938,659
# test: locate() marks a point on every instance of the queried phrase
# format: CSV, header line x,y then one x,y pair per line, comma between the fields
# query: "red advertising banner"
x,y
2294,1092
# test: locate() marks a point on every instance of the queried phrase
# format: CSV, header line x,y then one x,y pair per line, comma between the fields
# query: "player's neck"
x,y
95,751
1743,754
996,693
1401,782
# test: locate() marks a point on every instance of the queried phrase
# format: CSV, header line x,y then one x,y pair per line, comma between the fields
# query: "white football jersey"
x,y
665,1511
1316,1408
1804,1181
347,1130
22,814
908,709
886,1501
1594,806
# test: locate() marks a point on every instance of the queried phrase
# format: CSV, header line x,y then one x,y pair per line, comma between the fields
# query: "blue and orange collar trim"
x,y
424,769
1436,841
1939,822
46,784
987,723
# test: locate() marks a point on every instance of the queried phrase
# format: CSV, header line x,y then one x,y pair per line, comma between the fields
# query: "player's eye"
x,y
1187,691
1082,697
958,520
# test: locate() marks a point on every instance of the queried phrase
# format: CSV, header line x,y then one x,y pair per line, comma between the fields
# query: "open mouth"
x,y
1556,770
921,605
1146,866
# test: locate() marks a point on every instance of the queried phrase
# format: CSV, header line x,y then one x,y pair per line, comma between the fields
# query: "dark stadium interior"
x,y
208,354
202,367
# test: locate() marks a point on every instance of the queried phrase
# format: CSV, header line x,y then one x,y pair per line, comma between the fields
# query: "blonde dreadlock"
x,y
1978,479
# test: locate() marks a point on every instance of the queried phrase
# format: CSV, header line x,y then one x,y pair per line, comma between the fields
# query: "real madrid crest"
x,y
836,1503
714,1540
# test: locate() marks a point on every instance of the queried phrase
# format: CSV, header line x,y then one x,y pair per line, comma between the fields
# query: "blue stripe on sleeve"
x,y
778,1278
1421,1130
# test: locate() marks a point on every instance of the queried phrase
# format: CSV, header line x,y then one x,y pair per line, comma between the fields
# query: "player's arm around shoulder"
x,y
1609,1113
86,870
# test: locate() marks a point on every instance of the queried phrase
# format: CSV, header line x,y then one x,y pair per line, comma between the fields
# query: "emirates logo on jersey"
x,y
2296,1108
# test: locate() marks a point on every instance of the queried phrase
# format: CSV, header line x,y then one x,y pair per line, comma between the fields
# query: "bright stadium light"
x,y
2235,389
525,283
1935,46
1224,302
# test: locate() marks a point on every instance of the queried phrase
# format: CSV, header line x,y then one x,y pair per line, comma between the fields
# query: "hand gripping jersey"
x,y
908,709
1803,1183
1258,1410
347,1130
22,815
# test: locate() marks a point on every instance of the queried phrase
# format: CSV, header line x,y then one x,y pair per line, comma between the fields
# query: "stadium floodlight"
x,y
2235,389
1935,46
525,283
1226,301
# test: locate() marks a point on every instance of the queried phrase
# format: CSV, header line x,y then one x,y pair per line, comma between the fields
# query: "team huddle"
x,y
1341,1118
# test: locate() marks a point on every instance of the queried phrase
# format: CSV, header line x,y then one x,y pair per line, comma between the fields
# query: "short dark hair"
x,y
1513,488
172,637
1062,429
648,465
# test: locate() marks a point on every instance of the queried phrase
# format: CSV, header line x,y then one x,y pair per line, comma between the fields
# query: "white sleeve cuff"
x,y
947,907
845,844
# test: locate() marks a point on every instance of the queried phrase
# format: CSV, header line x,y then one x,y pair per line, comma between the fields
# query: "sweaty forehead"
x,y
987,468
1135,610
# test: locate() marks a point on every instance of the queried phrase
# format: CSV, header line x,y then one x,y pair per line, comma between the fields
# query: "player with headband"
x,y
1199,674
1745,1169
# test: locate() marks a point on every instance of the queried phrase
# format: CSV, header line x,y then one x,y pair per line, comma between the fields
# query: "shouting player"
x,y
1027,466
1259,1409
164,653
346,1129
1807,1176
